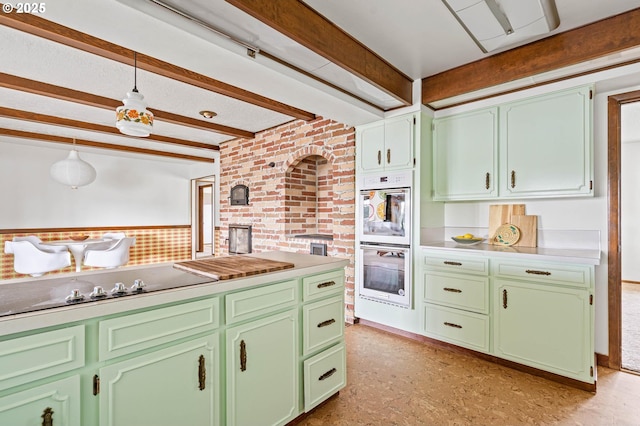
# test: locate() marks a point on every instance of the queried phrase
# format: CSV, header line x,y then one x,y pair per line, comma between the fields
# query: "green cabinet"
x,y
465,156
386,145
171,386
548,145
262,374
58,401
533,148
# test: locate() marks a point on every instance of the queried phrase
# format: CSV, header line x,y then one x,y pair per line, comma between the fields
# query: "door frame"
x,y
200,216
614,103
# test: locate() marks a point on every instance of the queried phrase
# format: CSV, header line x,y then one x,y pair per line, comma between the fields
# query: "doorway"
x,y
614,114
203,217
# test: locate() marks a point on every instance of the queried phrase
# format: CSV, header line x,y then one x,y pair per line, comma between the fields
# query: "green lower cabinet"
x,y
544,326
262,378
177,385
56,403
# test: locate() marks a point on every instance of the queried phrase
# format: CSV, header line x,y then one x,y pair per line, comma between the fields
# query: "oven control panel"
x,y
388,180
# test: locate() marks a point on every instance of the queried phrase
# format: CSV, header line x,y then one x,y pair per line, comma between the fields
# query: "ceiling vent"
x,y
496,24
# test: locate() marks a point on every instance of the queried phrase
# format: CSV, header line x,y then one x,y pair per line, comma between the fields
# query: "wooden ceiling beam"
x,y
112,147
52,31
82,125
571,47
302,24
62,93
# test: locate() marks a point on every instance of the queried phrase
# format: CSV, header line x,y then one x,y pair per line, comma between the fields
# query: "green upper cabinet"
x,y
465,156
546,145
533,148
386,145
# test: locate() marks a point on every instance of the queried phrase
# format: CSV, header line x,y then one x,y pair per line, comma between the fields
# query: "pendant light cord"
x,y
135,72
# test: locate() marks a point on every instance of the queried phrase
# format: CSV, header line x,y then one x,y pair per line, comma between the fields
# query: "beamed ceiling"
x,y
258,64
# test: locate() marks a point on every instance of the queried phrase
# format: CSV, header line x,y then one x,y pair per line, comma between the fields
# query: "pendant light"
x,y
133,118
73,171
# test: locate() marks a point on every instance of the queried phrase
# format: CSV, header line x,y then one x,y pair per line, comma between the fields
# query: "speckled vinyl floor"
x,y
393,380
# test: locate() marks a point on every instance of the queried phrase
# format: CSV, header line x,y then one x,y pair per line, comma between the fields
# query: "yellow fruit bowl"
x,y
467,241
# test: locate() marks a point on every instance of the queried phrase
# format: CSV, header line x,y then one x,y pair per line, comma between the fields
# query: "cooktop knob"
x,y
138,285
98,292
75,296
119,289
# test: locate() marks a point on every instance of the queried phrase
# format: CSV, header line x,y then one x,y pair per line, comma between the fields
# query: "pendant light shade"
x,y
73,171
133,118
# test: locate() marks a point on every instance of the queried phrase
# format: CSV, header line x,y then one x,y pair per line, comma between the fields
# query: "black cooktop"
x,y
48,293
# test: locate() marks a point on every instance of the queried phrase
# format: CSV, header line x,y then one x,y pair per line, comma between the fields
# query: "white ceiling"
x,y
419,37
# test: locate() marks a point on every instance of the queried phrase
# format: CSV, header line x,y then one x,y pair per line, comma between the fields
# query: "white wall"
x,y
584,214
630,202
129,190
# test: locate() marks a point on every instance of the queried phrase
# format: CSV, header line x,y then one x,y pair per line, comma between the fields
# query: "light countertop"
x,y
18,296
541,254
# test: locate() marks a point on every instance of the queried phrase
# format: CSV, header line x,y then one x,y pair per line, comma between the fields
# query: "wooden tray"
x,y
228,267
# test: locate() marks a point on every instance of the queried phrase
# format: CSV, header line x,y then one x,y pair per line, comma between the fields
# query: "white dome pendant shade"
x,y
133,118
73,171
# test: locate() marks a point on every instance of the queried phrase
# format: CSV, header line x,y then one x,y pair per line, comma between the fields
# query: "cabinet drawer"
x,y
552,273
457,264
458,327
324,375
466,292
259,301
131,333
34,357
323,323
322,285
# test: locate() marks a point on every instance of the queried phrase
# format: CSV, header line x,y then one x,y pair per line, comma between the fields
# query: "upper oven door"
x,y
386,216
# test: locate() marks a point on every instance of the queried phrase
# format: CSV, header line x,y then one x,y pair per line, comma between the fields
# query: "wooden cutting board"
x,y
528,226
228,267
499,214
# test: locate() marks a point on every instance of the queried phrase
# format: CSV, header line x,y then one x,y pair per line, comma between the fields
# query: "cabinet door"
x,y
398,142
59,401
546,327
370,147
465,156
263,372
173,386
546,145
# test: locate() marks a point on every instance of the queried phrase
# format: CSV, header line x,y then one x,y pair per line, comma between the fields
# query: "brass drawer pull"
x,y
326,323
388,156
243,356
450,324
504,298
448,262
452,290
47,417
379,157
534,272
202,373
328,374
326,284
96,385
513,178
487,180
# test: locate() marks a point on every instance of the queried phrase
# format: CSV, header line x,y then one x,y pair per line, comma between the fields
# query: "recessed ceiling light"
x,y
208,114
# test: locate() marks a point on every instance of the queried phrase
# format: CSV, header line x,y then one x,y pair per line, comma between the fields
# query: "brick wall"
x,y
309,190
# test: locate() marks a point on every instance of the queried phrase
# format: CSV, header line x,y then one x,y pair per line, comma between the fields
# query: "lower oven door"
x,y
386,274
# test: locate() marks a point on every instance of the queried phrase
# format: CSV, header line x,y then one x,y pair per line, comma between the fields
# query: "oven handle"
x,y
405,248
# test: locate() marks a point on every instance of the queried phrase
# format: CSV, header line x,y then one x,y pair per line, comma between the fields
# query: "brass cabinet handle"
x,y
448,262
487,180
326,323
202,373
328,374
379,157
450,324
534,272
326,284
243,356
452,290
47,417
513,178
504,298
96,385
388,156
